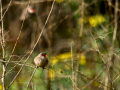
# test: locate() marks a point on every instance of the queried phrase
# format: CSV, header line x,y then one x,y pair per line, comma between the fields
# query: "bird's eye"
x,y
44,55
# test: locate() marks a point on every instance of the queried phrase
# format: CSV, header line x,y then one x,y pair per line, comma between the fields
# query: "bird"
x,y
41,60
30,12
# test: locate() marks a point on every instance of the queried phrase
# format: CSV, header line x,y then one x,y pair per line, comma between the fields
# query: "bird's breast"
x,y
41,62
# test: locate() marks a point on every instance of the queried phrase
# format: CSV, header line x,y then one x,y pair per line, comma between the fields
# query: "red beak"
x,y
45,55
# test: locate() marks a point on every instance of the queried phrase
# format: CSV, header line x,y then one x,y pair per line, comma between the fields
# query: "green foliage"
x,y
74,5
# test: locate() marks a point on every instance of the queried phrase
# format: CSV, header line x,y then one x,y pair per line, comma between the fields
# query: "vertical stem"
x,y
111,62
3,48
106,82
79,41
49,48
31,77
49,81
115,28
72,66
82,16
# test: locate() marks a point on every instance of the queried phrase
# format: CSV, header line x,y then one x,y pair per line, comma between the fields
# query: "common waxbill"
x,y
30,12
41,60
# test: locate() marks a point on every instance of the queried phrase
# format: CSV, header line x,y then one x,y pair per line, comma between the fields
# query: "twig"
x,y
74,84
3,48
106,82
112,47
17,63
72,66
31,77
79,40
7,8
34,1
96,77
90,78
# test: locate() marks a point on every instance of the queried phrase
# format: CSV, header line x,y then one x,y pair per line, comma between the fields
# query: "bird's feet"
x,y
43,68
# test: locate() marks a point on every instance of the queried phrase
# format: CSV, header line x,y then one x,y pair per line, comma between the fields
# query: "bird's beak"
x,y
45,55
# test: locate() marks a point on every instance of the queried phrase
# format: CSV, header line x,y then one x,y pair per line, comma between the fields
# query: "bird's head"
x,y
31,10
43,54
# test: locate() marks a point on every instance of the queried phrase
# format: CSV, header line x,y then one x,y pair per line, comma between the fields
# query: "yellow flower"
x,y
81,20
82,59
1,87
64,55
51,74
100,18
96,19
59,1
53,60
61,57
93,22
96,84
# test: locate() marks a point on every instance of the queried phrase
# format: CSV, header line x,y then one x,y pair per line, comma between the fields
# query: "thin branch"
x,y
18,63
3,48
72,65
96,77
79,40
74,84
7,8
31,77
89,78
110,64
34,1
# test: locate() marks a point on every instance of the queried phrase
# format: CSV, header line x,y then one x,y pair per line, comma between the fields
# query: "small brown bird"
x,y
41,60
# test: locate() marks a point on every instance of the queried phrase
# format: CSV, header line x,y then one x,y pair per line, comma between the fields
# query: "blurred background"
x,y
81,39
